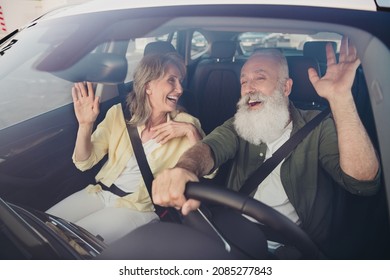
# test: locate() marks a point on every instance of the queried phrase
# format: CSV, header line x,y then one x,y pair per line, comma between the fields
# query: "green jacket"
x,y
308,174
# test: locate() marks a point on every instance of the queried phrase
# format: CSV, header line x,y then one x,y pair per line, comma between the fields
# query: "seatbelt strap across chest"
x,y
147,172
266,168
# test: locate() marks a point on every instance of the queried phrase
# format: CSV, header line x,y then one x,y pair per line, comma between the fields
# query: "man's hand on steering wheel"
x,y
168,189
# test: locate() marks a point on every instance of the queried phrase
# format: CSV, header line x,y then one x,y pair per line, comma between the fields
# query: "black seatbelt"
x,y
164,213
141,157
266,168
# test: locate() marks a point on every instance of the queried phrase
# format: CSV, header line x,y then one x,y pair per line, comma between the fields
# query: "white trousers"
x,y
96,213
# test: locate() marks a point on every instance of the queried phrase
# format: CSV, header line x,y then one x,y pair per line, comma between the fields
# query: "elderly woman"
x,y
120,202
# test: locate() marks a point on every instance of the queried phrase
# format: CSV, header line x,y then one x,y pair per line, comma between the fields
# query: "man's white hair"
x,y
279,58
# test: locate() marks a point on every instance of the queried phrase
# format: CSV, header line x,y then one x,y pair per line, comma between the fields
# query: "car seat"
x,y
216,85
303,94
159,47
317,50
151,48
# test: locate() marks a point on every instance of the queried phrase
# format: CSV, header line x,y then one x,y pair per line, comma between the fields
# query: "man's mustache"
x,y
256,96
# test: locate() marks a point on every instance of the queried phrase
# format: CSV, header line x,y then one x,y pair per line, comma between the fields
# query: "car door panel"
x,y
36,167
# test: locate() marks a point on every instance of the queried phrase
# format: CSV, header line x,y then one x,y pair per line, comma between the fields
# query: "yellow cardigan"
x,y
111,137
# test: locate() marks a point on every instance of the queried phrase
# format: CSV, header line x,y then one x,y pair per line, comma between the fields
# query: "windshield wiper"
x,y
5,38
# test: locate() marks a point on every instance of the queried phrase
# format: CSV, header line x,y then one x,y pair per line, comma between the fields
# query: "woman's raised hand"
x,y
86,105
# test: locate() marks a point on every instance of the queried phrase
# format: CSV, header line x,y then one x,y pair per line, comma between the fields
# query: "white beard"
x,y
265,124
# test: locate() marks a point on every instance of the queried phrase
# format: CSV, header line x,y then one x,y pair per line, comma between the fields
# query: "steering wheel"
x,y
257,210
168,240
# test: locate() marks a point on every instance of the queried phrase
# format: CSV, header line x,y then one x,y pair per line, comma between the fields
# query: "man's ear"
x,y
287,87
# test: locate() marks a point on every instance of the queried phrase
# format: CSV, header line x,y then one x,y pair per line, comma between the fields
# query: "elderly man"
x,y
338,150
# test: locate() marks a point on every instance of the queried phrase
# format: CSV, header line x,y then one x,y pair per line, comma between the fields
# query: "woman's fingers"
x,y
169,130
75,96
83,90
90,89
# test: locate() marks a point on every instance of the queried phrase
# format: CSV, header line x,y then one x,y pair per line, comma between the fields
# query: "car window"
x,y
136,48
199,45
290,43
249,41
26,92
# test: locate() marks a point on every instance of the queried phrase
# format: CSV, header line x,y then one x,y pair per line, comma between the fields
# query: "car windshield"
x,y
25,91
39,124
29,83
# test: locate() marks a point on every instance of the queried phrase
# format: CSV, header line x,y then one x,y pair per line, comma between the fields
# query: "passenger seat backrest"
x,y
159,47
317,50
303,94
216,85
223,50
163,47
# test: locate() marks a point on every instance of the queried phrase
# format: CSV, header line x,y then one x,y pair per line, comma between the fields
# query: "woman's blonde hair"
x,y
151,67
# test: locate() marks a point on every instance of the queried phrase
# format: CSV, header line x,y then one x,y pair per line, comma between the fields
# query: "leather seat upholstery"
x,y
216,85
317,50
159,47
303,93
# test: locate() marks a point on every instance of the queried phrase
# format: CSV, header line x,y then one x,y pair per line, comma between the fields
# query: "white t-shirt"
x,y
271,191
129,179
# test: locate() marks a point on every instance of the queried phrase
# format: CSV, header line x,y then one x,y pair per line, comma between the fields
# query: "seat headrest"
x,y
303,94
159,47
317,49
223,49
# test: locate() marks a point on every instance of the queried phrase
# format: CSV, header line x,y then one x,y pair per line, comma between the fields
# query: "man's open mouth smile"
x,y
254,102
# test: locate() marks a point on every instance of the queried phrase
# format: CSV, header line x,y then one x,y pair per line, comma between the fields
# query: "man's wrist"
x,y
197,160
187,165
